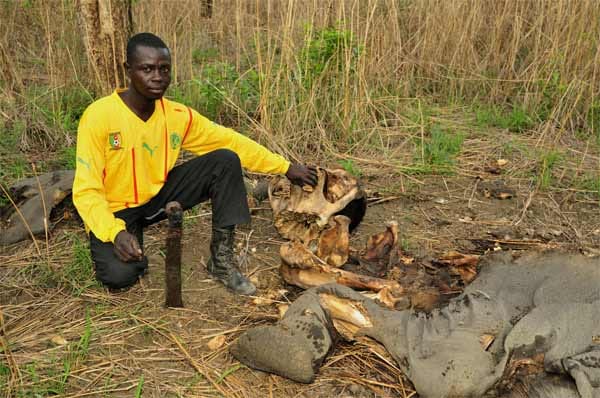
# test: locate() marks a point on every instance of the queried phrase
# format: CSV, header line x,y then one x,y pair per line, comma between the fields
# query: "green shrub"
x,y
350,167
327,50
593,121
517,120
78,274
552,91
67,157
591,182
218,83
547,163
437,152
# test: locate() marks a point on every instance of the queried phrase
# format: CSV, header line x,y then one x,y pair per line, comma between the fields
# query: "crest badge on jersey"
x,y
114,139
175,140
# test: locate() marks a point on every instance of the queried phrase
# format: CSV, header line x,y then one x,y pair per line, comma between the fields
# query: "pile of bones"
x,y
536,309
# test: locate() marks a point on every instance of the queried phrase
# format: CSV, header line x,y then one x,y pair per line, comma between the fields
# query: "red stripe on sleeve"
x,y
187,129
166,141
135,190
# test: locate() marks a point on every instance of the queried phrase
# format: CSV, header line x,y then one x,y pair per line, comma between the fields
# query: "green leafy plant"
x,y
591,182
202,55
53,379
405,245
78,274
14,168
552,91
67,157
56,114
229,371
217,84
593,121
77,353
548,162
517,120
140,387
4,375
327,50
350,167
437,152
11,134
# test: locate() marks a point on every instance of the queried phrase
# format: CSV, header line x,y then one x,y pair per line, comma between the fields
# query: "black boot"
x,y
222,264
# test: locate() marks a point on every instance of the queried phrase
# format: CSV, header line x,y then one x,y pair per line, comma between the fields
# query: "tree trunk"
x,y
106,27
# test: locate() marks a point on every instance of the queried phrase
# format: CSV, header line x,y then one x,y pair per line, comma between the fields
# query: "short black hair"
x,y
143,39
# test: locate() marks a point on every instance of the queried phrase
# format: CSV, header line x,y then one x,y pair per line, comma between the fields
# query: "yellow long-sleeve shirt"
x,y
123,161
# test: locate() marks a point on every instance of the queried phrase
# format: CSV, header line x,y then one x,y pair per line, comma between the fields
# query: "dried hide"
x,y
541,307
55,186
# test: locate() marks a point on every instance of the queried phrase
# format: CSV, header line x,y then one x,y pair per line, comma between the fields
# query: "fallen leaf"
x,y
455,258
282,308
486,341
501,162
407,260
67,215
216,342
380,245
58,340
254,280
260,301
390,298
270,297
467,274
464,265
504,195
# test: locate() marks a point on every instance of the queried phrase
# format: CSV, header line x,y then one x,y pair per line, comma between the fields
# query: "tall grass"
x,y
313,76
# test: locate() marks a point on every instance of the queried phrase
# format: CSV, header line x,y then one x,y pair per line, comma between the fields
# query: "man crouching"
x,y
127,146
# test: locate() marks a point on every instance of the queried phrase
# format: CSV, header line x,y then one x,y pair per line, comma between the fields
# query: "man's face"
x,y
150,71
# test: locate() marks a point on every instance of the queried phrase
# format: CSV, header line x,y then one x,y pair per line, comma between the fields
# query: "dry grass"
x,y
365,82
57,341
110,344
539,55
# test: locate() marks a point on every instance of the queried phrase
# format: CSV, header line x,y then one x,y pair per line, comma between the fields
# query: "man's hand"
x,y
299,174
127,247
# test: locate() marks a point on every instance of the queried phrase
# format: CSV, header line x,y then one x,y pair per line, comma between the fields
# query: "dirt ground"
x,y
119,344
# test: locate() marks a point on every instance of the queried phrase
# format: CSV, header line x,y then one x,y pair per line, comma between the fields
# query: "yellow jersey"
x,y
123,161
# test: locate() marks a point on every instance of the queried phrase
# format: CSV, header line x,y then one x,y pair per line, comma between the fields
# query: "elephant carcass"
x,y
539,304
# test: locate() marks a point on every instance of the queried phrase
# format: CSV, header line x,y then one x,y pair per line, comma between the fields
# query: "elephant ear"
x,y
34,205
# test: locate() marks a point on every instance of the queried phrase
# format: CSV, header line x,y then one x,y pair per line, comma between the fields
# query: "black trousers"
x,y
216,176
